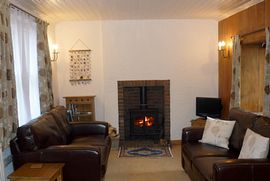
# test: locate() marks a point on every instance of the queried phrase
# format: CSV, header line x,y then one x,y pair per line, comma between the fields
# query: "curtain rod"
x,y
250,33
20,9
257,31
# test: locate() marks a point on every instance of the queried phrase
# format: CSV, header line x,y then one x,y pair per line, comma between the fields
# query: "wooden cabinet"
x,y
81,108
199,122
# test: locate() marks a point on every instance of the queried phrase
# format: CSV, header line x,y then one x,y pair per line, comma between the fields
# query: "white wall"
x,y
66,35
52,41
183,51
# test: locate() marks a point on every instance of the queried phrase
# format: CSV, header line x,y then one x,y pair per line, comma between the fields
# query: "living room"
x,y
144,47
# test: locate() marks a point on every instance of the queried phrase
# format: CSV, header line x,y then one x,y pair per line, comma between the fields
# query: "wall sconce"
x,y
55,52
224,49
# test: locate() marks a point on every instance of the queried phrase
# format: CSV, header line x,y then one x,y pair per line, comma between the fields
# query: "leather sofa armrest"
x,y
81,161
93,149
70,152
192,134
241,169
22,158
89,128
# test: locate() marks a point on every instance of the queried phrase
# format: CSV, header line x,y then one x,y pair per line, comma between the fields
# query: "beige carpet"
x,y
145,169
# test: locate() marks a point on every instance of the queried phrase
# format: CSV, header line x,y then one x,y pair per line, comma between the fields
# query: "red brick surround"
x,y
137,83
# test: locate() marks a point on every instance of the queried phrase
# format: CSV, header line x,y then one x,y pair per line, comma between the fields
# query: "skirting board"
x,y
176,142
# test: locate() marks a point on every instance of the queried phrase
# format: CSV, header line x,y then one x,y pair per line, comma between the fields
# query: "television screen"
x,y
208,106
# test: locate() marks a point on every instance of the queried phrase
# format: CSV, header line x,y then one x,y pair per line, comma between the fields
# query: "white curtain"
x,y
24,39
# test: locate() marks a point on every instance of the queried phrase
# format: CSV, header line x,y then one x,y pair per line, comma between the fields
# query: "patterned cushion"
x,y
217,132
254,146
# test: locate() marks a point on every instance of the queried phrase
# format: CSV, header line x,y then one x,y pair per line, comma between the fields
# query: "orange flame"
x,y
147,121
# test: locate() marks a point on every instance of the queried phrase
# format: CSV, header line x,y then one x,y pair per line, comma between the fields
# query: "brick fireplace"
x,y
144,110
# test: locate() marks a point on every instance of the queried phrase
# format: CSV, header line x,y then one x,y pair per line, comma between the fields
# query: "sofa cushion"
x,y
262,127
244,120
217,132
194,150
59,114
62,113
26,139
97,140
254,146
46,132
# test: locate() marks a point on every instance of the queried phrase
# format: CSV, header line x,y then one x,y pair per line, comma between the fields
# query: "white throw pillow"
x,y
217,132
254,146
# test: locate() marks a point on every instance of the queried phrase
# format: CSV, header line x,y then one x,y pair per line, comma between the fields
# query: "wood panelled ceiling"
x,y
55,11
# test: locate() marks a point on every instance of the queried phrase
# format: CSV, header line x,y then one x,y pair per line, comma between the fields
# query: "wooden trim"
x,y
176,142
79,80
80,50
254,37
251,33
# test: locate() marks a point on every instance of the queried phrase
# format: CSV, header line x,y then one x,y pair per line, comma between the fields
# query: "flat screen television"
x,y
208,106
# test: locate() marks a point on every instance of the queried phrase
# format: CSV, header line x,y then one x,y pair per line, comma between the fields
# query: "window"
x,y
24,40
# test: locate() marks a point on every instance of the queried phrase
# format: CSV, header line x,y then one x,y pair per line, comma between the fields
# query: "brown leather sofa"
x,y
84,147
207,162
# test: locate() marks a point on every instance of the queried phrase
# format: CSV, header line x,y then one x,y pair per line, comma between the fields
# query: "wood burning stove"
x,y
132,104
145,124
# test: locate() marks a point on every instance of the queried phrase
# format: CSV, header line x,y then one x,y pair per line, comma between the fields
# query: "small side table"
x,y
199,122
38,172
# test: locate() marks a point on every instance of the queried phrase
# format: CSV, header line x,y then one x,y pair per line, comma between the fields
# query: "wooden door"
x,y
252,77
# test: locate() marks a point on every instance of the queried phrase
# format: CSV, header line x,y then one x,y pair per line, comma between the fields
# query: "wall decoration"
x,y
80,66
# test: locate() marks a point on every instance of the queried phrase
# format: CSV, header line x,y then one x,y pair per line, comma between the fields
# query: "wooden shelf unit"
x,y
81,108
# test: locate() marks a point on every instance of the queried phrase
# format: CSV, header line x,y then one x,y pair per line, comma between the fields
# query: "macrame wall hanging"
x,y
80,65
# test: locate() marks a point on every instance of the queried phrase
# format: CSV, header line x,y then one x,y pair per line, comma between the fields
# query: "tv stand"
x,y
198,122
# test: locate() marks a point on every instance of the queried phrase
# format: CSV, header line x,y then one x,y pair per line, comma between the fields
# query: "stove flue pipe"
x,y
143,97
